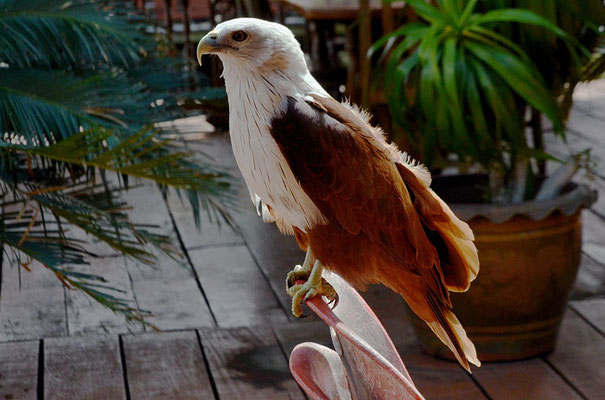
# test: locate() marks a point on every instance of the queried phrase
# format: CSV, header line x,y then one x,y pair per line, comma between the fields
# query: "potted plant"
x,y
471,82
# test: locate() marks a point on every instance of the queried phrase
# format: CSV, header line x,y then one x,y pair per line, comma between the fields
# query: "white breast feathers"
x,y
253,103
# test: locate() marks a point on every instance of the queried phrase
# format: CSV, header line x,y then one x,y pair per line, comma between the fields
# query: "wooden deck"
x,y
226,329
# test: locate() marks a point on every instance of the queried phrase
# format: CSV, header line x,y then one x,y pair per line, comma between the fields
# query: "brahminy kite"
x,y
319,170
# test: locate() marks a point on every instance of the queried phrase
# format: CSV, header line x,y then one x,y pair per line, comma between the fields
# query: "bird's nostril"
x,y
213,36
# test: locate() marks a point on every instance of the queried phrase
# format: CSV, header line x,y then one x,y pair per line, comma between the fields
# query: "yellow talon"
x,y
314,286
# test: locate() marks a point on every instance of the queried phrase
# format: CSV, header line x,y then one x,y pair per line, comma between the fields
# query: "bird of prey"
x,y
319,170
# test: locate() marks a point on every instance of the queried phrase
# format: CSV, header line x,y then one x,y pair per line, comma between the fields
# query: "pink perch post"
x,y
364,364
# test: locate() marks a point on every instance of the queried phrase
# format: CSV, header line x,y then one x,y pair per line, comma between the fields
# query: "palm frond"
x,y
79,82
32,229
45,106
110,225
87,34
144,154
46,245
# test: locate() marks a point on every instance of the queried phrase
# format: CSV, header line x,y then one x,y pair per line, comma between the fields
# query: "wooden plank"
x,y
210,234
593,310
83,368
86,316
96,246
593,231
236,289
275,253
165,267
19,370
440,380
32,305
32,314
174,303
148,206
596,251
589,99
247,363
166,366
586,124
92,244
531,379
580,356
218,152
590,281
170,291
577,142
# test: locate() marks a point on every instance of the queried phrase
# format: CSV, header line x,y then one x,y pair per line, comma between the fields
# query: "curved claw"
x,y
305,291
334,302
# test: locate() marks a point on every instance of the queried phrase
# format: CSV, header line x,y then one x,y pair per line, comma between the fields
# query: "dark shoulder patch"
x,y
308,137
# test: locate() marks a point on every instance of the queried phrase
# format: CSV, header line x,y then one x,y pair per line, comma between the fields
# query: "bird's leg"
x,y
301,272
314,286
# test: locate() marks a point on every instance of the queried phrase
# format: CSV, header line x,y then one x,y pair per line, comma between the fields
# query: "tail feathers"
x,y
426,303
447,328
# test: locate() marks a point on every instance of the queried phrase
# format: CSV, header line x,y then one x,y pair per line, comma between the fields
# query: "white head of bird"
x,y
251,48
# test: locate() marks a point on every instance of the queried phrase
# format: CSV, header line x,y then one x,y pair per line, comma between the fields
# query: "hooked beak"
x,y
208,44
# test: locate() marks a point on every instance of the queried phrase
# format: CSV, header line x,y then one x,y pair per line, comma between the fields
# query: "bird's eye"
x,y
239,36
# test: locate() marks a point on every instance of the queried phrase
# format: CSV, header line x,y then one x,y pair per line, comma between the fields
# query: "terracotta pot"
x,y
529,255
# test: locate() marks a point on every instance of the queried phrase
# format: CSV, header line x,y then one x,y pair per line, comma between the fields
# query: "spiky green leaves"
x,y
60,34
469,84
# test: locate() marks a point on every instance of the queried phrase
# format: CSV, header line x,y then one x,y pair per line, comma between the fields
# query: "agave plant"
x,y
461,81
80,86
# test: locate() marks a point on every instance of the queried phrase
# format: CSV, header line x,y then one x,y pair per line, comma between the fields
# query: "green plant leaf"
x,y
411,28
477,112
426,11
503,114
522,78
397,99
35,29
449,11
45,106
520,16
410,41
467,12
492,38
451,89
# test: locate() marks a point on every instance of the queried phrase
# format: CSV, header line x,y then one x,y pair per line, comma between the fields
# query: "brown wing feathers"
x,y
461,260
375,232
